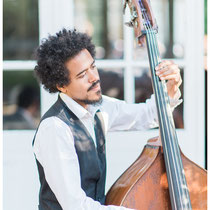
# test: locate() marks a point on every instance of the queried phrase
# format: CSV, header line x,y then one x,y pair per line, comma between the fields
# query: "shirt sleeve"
x,y
120,115
54,149
175,101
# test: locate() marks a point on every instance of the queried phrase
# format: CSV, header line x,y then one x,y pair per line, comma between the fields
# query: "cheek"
x,y
79,87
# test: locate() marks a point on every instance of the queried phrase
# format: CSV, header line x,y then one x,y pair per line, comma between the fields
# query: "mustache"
x,y
93,85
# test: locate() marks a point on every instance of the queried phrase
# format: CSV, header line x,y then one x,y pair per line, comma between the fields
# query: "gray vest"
x,y
92,160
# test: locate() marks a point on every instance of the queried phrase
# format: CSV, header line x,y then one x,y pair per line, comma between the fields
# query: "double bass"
x,y
161,178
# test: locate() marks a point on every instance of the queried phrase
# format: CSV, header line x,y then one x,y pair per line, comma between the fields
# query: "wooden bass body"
x,y
144,184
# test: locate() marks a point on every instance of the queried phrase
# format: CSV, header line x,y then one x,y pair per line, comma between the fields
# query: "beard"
x,y
92,102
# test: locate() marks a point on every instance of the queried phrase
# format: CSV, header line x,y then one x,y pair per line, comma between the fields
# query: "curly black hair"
x,y
52,54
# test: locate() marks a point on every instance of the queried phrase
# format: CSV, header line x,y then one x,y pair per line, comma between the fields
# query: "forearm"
x,y
140,116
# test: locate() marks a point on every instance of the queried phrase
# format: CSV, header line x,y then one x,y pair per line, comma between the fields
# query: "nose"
x,y
93,76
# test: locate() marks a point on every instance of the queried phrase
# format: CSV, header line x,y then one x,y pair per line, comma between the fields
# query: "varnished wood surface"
x,y
144,184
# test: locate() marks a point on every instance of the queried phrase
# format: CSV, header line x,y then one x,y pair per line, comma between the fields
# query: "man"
x,y
70,142
25,114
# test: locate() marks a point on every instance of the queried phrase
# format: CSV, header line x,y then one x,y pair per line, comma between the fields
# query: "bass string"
x,y
155,55
156,84
174,139
174,142
166,139
169,137
153,64
158,98
160,84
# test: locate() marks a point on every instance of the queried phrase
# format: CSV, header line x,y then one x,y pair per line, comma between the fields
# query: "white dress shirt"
x,y
54,145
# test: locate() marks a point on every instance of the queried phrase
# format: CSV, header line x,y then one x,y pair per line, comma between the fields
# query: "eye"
x,y
93,66
82,75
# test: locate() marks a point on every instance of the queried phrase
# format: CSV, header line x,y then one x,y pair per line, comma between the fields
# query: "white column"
x,y
194,140
129,83
53,16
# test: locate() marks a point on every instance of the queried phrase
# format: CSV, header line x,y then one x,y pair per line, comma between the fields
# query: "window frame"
x,y
51,20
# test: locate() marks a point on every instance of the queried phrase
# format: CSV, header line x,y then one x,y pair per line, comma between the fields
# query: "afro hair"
x,y
53,53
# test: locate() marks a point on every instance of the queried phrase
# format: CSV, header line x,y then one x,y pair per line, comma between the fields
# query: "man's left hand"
x,y
168,70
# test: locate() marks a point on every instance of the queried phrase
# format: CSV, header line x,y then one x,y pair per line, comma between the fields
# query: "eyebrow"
x,y
85,69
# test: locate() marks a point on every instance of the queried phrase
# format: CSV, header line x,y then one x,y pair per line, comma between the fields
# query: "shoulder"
x,y
51,130
110,104
52,124
110,108
110,101
53,137
51,121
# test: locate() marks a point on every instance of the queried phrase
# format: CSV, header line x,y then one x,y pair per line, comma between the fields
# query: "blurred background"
x,y
124,71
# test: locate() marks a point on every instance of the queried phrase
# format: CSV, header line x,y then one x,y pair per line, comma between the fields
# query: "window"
x,y
21,108
117,52
103,21
20,38
20,29
112,82
117,55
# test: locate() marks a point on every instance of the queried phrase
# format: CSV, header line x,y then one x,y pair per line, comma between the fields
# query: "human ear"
x,y
62,89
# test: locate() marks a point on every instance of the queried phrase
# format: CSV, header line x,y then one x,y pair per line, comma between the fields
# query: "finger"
x,y
164,64
168,66
172,69
173,77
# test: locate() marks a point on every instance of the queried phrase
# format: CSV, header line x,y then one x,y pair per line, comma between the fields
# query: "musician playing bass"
x,y
69,144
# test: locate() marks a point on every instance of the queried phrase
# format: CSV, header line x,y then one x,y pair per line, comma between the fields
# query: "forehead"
x,y
80,62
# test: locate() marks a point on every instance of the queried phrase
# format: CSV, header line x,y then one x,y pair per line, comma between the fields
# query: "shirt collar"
x,y
77,109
